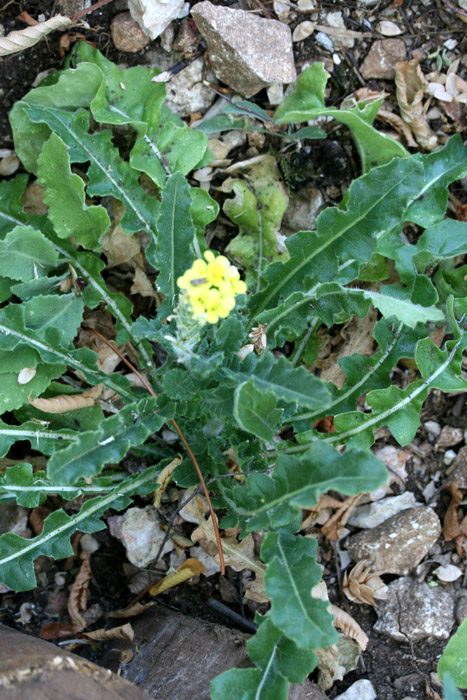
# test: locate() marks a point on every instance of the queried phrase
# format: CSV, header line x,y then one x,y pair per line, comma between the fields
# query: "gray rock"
x,y
460,467
186,92
400,543
449,436
13,518
415,611
461,607
302,210
72,7
127,34
382,58
246,52
412,681
373,514
361,690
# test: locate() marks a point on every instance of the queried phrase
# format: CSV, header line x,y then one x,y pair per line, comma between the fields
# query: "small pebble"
x,y
449,456
127,35
324,41
361,690
449,436
432,427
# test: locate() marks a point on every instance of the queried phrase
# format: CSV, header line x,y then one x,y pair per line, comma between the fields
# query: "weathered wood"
x,y
179,655
33,669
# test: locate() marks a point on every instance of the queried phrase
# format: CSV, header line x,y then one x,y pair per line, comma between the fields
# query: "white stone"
x,y
306,5
186,92
153,16
324,41
275,94
375,513
360,690
335,19
282,9
432,427
449,456
142,535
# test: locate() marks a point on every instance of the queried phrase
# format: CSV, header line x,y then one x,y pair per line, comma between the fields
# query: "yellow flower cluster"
x,y
210,287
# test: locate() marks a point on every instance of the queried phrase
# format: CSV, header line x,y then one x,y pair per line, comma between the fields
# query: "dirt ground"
x,y
396,669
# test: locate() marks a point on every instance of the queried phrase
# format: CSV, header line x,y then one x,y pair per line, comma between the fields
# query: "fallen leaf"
x,y
125,632
142,284
66,402
334,526
56,630
388,28
191,567
132,611
410,89
25,38
78,598
119,247
363,585
399,125
164,479
451,528
345,622
303,30
238,555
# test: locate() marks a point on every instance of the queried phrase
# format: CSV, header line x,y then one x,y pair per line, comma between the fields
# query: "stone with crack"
x,y
415,611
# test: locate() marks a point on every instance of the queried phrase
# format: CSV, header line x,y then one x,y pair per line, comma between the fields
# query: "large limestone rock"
x,y
246,52
400,543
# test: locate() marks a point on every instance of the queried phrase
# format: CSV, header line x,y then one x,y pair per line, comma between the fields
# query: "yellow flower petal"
x,y
212,317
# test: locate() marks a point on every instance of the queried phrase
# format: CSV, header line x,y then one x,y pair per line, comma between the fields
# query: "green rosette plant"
x,y
96,137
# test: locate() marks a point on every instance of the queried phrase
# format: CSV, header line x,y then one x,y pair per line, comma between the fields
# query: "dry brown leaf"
x,y
410,89
132,611
119,247
349,626
78,598
358,338
125,632
451,528
334,526
325,502
164,479
399,125
191,567
24,38
56,630
363,585
238,555
142,284
68,402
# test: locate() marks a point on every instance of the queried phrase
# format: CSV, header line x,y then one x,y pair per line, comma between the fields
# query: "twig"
x,y
182,438
89,9
455,9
